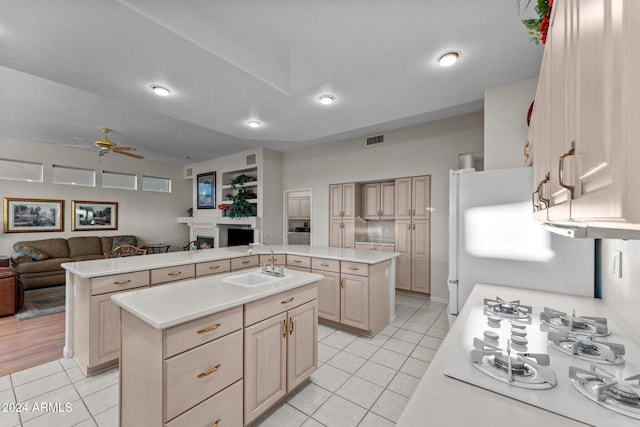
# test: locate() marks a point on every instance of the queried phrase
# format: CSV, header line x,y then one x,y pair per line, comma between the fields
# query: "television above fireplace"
x,y
239,236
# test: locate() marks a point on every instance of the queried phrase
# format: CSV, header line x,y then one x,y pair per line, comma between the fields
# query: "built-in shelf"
x,y
246,184
229,202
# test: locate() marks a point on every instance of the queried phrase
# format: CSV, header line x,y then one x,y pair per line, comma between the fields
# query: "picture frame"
x,y
32,215
89,215
206,190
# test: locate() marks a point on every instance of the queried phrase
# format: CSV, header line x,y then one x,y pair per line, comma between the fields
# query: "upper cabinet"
x,y
299,207
344,206
585,116
413,198
379,200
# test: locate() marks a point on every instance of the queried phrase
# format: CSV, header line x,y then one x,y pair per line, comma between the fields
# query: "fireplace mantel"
x,y
211,225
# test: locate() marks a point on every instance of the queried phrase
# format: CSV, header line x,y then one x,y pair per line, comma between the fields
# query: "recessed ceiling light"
x,y
447,59
326,99
254,124
159,90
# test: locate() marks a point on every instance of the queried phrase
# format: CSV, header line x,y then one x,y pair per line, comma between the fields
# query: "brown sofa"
x,y
35,274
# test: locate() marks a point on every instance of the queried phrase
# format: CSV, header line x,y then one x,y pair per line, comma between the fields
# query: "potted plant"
x,y
241,207
224,208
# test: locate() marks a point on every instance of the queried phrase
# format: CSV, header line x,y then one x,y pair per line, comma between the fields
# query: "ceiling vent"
x,y
373,140
251,159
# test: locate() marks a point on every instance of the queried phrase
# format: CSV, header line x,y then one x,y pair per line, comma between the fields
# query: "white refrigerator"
x,y
493,238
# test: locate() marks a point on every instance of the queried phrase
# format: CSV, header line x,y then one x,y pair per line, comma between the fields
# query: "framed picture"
x,y
33,215
206,190
94,215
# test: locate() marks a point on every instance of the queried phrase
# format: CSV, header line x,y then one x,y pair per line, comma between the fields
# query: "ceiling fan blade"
x,y
137,156
118,148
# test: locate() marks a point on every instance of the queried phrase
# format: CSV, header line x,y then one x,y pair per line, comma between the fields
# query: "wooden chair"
x,y
195,245
125,250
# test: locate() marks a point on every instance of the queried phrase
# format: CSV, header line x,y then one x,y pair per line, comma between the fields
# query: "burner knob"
x,y
490,335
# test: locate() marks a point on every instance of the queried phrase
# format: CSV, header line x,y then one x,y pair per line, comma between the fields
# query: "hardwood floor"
x,y
30,342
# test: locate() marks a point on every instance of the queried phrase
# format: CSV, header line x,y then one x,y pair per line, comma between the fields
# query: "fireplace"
x,y
206,239
239,236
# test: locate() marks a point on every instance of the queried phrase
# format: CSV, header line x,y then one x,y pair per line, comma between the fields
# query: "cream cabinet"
x,y
375,247
96,321
160,276
299,207
344,205
281,341
244,262
379,200
213,267
412,229
584,123
328,288
176,375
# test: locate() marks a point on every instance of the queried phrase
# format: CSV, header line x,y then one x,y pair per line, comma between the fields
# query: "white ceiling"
x,y
70,67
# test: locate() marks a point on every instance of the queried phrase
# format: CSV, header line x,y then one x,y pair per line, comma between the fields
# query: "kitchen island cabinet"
x,y
187,348
445,401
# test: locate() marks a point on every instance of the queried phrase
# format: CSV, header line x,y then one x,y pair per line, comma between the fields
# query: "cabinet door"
x,y
335,234
335,201
420,256
354,299
305,207
104,336
349,202
293,207
371,199
403,198
265,365
421,200
388,200
349,234
403,261
329,295
302,343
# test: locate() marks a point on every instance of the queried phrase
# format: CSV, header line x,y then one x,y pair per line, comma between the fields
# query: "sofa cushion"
x,y
52,264
34,253
88,257
124,240
79,246
55,248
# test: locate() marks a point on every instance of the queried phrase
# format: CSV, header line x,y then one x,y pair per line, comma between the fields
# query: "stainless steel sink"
x,y
253,278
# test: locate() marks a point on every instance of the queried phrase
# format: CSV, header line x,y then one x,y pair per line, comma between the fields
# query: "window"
x,y
20,171
74,176
123,181
151,183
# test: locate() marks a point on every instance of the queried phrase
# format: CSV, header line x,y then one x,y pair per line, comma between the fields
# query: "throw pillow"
x,y
124,240
34,253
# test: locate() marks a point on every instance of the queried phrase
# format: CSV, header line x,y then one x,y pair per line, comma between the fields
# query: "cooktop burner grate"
x,y
582,325
588,348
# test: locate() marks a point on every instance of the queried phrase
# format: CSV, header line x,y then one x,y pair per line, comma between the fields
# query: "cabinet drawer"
x,y
279,259
119,282
244,262
172,274
299,261
212,267
192,377
357,268
279,303
192,334
222,410
325,264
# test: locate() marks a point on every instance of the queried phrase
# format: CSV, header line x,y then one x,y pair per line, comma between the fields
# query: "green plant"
x,y
538,27
241,207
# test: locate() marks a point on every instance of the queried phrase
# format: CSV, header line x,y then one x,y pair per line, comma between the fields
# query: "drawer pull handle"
x,y
354,268
214,267
210,328
246,262
209,372
325,265
216,423
175,273
286,301
291,326
297,260
121,282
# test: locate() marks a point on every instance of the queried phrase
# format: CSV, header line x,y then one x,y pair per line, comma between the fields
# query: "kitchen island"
x,y
442,400
208,349
92,320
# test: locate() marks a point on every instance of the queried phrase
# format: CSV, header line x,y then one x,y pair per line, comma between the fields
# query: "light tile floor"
x,y
360,381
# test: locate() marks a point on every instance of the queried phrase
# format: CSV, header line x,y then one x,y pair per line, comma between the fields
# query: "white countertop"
x,y
105,267
441,400
173,304
365,242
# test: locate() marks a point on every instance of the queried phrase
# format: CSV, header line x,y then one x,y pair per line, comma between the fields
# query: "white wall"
x,y
427,149
505,126
151,216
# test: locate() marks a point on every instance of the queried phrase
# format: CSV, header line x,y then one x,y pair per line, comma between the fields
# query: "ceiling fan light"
x,y
447,59
160,90
254,124
326,99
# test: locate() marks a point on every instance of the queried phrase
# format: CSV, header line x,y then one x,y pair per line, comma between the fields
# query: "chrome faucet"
x,y
273,272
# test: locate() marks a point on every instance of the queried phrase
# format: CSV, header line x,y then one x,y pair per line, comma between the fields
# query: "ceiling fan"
x,y
106,145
